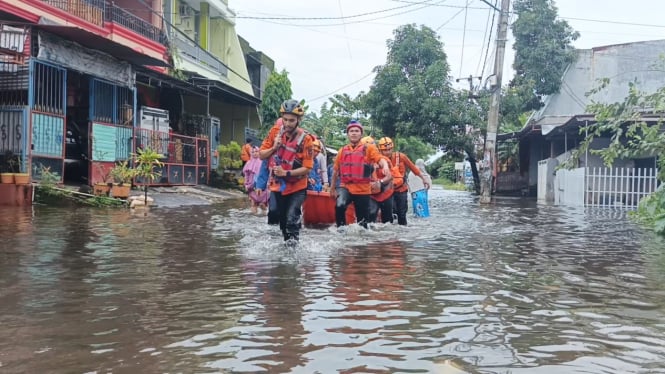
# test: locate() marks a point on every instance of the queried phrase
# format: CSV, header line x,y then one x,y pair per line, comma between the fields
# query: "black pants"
x,y
386,207
273,211
290,208
361,203
401,206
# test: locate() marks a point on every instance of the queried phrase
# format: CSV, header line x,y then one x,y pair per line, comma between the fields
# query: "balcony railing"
x,y
99,11
190,49
116,14
89,10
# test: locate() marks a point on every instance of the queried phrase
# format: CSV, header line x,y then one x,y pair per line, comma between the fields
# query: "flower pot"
x,y
101,189
7,178
120,191
22,178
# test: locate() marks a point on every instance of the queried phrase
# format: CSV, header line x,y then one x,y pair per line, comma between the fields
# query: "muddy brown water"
x,y
510,288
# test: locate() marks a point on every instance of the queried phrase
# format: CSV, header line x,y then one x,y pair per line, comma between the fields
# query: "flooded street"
x,y
509,288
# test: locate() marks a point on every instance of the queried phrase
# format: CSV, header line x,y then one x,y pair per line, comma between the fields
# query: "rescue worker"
x,y
291,159
381,187
401,162
353,167
314,182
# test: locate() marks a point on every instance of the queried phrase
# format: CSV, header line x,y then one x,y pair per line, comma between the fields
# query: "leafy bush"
x,y
229,156
651,211
447,170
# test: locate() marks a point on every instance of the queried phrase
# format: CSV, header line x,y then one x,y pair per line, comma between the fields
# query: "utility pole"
x,y
488,164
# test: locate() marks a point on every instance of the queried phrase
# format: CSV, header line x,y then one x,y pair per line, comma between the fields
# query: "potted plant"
x,y
122,175
146,161
9,169
104,187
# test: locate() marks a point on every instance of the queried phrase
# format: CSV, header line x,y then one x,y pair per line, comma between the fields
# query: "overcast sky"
x,y
328,56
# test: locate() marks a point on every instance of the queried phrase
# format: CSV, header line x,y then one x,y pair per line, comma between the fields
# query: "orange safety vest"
x,y
353,168
286,155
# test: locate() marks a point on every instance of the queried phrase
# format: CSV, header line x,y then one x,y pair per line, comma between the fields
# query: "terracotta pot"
x,y
7,178
22,178
120,192
101,189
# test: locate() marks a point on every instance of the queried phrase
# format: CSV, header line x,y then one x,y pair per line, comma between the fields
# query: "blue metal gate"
x,y
112,109
47,102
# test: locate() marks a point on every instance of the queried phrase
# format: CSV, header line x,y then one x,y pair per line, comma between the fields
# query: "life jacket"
x,y
287,154
398,177
353,168
383,191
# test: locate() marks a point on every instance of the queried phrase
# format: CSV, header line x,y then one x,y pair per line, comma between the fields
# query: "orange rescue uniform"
x,y
305,156
372,156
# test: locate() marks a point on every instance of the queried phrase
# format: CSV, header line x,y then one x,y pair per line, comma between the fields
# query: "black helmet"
x,y
293,107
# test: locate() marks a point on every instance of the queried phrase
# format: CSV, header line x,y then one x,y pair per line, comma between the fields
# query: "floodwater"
x,y
508,288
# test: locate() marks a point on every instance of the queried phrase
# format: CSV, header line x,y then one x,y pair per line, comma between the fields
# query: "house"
x,y
84,83
554,131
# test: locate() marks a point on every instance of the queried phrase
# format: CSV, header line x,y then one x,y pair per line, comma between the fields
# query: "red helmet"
x,y
354,123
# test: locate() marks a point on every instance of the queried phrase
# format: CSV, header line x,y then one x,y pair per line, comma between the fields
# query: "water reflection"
x,y
514,287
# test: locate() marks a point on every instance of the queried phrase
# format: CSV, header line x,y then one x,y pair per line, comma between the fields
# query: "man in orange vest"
x,y
354,166
291,159
401,191
381,198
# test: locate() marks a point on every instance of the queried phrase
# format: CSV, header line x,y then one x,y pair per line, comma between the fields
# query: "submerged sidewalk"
x,y
169,197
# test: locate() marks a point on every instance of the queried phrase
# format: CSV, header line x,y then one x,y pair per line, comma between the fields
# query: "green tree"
x,y
543,50
414,147
411,94
278,89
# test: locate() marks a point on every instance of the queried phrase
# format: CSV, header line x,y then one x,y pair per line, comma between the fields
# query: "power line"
x,y
489,41
466,13
290,18
449,19
442,5
369,19
482,47
341,88
613,22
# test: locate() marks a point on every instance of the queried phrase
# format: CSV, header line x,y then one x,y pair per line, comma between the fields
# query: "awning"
x,y
229,93
148,76
100,43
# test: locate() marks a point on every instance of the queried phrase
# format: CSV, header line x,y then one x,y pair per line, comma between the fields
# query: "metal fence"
x,y
127,19
89,10
619,187
604,187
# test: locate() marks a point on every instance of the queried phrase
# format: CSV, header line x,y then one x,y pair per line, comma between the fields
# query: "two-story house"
x,y
84,83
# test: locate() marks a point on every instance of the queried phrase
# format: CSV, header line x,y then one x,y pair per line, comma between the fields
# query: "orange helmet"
x,y
316,145
293,107
367,140
385,144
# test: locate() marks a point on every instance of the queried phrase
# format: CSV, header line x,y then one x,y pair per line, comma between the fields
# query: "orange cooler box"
x,y
319,209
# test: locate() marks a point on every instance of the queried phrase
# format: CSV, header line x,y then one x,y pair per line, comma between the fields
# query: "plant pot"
x,y
22,178
120,191
7,178
101,189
